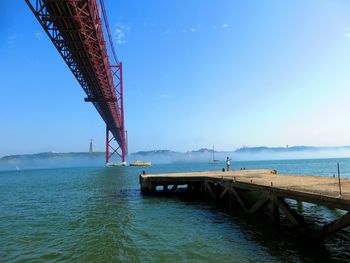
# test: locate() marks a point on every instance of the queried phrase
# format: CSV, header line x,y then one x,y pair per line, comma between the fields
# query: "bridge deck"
x,y
313,189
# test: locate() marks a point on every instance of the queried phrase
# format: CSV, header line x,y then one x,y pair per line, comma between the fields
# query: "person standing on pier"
x,y
228,163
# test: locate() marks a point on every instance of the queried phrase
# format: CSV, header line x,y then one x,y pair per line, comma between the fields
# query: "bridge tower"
x,y
91,149
112,147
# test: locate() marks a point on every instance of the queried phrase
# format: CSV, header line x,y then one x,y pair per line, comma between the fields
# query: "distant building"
x,y
91,149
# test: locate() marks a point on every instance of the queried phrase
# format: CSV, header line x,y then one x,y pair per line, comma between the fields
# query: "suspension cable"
x,y
109,32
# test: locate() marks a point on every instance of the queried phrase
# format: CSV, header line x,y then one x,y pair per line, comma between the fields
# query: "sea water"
x,y
97,214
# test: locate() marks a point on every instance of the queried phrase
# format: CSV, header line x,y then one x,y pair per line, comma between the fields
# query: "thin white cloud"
x,y
120,33
39,35
347,35
190,29
225,25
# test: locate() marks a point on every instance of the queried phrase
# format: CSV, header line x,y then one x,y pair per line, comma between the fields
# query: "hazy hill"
x,y
288,149
51,159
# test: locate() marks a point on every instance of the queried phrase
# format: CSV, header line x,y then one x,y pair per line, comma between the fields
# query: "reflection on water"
x,y
98,214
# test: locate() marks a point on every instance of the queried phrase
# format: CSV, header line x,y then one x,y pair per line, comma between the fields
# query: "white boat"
x,y
212,159
112,164
140,163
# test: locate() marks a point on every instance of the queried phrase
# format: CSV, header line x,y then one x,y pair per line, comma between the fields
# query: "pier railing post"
x,y
339,180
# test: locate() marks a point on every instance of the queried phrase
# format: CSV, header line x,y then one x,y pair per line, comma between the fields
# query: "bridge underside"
x,y
75,29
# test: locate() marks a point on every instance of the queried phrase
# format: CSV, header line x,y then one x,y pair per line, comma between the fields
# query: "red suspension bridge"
x,y
77,31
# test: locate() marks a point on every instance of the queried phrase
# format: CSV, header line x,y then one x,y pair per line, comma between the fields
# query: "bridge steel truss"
x,y
75,29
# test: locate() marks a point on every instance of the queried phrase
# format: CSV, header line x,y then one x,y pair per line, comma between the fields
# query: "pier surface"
x,y
274,189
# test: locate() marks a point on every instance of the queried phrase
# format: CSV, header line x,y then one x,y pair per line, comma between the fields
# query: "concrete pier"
x,y
272,190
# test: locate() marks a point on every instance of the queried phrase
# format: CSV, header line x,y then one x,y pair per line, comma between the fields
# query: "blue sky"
x,y
196,73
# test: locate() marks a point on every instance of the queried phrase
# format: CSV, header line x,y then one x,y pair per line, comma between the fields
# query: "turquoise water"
x,y
97,214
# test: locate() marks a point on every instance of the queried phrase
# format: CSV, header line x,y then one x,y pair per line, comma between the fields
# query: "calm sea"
x,y
98,215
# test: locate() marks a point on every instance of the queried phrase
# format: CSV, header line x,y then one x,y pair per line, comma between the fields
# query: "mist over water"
x,y
51,160
66,160
288,155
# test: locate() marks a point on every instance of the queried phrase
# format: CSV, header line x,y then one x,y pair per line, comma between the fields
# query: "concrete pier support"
x,y
270,192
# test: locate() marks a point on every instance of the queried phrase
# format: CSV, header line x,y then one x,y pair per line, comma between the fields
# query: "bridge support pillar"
x,y
112,147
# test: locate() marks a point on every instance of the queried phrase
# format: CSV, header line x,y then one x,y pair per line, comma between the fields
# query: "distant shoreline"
x,y
242,150
48,160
